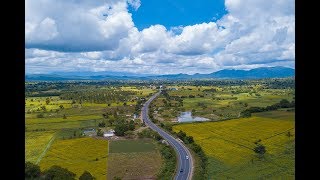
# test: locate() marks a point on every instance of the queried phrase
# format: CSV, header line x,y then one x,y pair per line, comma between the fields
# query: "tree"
x,y
86,176
260,149
31,170
57,173
105,115
120,129
64,116
43,108
61,106
40,115
102,124
100,132
181,134
124,104
245,113
47,101
188,139
131,125
284,103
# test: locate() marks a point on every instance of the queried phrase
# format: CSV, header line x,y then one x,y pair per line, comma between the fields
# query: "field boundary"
x,y
279,133
46,148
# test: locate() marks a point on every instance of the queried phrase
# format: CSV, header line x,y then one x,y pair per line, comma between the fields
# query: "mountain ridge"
x,y
256,73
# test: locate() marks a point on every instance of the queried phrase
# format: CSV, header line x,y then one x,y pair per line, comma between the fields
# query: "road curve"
x,y
181,150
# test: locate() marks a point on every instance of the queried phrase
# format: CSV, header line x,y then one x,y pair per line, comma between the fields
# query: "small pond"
x,y
187,117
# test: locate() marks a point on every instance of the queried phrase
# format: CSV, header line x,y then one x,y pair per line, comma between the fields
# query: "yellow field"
x,y
36,143
37,102
229,146
56,120
79,155
232,141
141,92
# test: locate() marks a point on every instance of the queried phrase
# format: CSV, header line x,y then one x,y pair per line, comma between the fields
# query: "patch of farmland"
x,y
229,146
36,143
79,155
60,119
133,159
126,146
282,115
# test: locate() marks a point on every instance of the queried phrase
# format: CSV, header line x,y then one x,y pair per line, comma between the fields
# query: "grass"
x,y
36,143
133,159
143,165
127,146
141,91
78,155
229,146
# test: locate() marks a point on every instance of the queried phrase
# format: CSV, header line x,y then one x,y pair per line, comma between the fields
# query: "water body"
x,y
187,117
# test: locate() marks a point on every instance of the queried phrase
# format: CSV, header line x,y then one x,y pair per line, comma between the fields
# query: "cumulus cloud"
x,y
101,35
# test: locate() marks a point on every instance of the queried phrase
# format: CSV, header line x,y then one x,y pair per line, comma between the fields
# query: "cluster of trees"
x,y
280,83
282,104
98,96
169,156
139,105
32,171
123,126
148,133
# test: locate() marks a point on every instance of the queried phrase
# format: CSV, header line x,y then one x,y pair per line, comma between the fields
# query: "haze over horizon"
x,y
158,37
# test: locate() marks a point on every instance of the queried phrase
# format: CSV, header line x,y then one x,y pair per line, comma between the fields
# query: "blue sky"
x,y
176,13
158,37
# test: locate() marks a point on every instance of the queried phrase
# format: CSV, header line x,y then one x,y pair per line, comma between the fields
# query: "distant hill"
x,y
257,73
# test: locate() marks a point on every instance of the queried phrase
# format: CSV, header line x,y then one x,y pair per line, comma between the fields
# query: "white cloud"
x,y
97,35
135,3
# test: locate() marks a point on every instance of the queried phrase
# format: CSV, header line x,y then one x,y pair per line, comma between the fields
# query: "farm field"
x,y
36,143
78,155
217,103
141,91
229,145
133,159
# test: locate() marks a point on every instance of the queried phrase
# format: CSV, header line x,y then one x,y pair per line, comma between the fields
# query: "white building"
x,y
109,133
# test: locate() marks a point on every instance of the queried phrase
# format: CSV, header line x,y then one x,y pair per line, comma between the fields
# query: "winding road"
x,y
185,168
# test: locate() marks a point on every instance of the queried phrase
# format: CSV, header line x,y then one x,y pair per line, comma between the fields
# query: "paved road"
x,y
182,151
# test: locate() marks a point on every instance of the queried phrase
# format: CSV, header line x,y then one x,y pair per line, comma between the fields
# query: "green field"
x,y
223,103
229,146
127,146
133,159
78,155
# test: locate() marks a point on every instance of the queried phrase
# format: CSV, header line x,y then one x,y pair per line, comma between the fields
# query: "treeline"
x,y
280,83
33,172
282,104
42,94
98,96
201,171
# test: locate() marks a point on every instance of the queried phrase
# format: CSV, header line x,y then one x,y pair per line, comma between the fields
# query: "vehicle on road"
x,y
181,170
187,157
